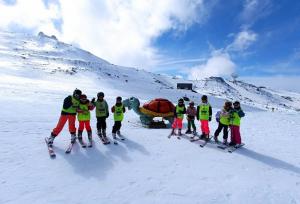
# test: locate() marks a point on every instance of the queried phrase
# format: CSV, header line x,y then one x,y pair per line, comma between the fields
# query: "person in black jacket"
x,y
68,113
102,112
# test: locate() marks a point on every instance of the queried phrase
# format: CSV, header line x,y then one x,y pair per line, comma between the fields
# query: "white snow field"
x,y
145,168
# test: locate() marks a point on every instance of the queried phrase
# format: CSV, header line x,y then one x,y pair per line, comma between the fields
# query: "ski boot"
x,y
104,136
90,139
232,144
99,133
79,136
114,136
202,136
119,133
194,132
225,142
73,138
179,132
206,137
188,131
216,139
51,139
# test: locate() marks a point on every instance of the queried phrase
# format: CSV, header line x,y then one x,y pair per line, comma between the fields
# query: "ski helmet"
x,y
100,94
204,98
83,97
77,93
236,103
192,103
119,98
181,100
228,104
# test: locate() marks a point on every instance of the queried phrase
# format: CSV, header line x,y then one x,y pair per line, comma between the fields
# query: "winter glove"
x,y
93,100
209,119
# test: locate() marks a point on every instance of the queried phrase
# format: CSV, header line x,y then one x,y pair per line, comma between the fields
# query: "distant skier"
x,y
204,112
224,120
118,110
84,117
179,112
102,112
191,115
235,120
68,113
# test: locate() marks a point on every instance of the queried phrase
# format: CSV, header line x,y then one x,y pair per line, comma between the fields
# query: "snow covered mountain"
x,y
27,53
38,72
257,96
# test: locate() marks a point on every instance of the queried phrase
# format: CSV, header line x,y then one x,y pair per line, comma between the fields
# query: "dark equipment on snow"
x,y
186,86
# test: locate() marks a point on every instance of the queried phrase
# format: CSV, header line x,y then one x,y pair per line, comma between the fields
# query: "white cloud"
x,y
219,64
242,41
254,10
120,31
29,14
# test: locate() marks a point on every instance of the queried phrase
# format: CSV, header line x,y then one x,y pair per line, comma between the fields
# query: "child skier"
x,y
235,120
118,109
101,114
204,112
179,112
84,117
191,114
68,113
224,120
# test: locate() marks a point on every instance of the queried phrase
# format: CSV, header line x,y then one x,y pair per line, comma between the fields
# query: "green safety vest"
x,y
179,111
225,119
73,108
235,119
101,110
204,111
118,114
85,115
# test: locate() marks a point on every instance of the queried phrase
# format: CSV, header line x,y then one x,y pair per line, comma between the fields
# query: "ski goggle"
x,y
76,96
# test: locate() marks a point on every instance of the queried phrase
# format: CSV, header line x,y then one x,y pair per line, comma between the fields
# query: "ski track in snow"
x,y
145,168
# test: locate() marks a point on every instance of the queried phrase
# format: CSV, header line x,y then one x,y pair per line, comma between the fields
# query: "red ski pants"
x,y
204,126
61,123
235,134
177,123
85,124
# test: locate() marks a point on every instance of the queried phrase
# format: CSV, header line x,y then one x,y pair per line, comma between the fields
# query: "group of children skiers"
x,y
78,105
229,117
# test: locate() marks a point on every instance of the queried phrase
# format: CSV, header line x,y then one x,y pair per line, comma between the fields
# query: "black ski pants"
x,y
101,123
191,123
117,126
219,129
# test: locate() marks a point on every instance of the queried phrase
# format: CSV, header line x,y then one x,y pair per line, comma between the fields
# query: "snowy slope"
x,y
256,96
24,53
145,168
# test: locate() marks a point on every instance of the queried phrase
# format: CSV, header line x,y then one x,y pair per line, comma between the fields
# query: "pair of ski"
x,y
230,149
69,148
82,143
106,141
198,138
178,136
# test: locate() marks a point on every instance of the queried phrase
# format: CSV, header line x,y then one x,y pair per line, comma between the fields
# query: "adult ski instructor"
x,y
68,113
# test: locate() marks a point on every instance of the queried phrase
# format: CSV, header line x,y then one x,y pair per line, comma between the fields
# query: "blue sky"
x,y
276,50
189,38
